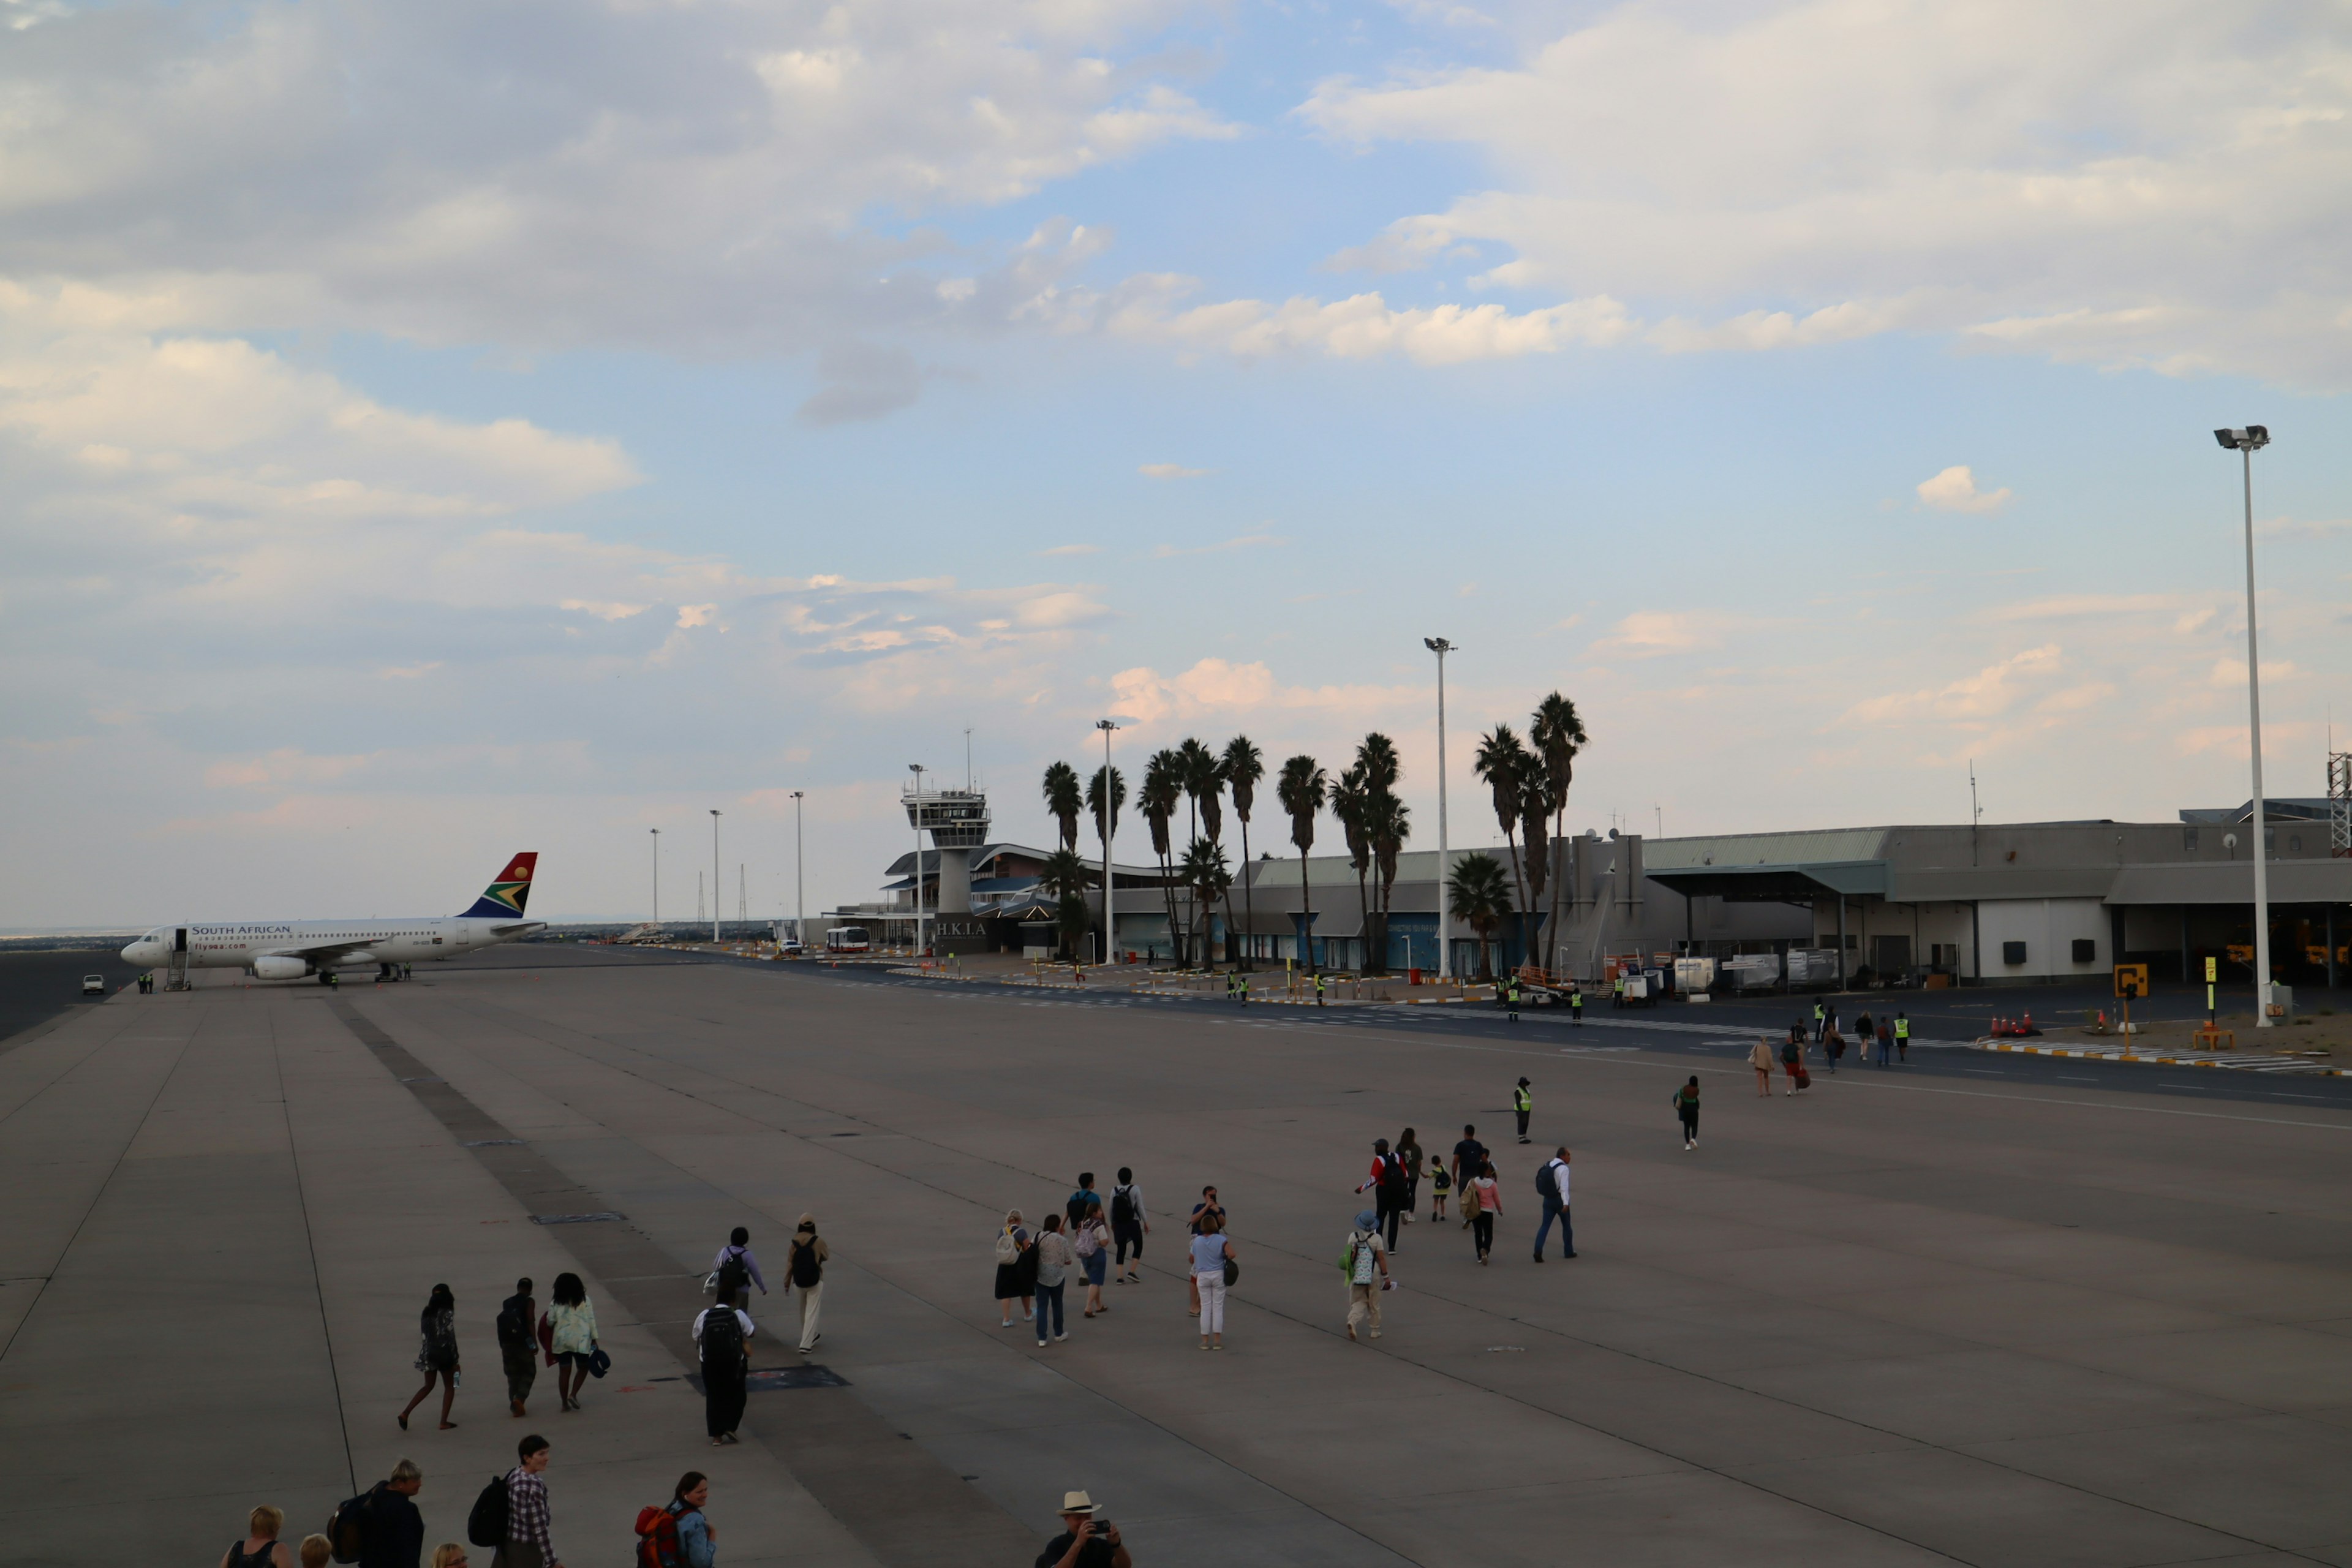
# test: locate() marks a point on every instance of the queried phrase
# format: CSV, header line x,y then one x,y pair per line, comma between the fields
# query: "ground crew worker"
x,y
1318,988
1511,997
1617,994
1576,1005
1902,1038
1820,1019
1245,988
1523,1104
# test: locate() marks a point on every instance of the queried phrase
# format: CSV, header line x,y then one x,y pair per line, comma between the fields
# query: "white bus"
x,y
848,939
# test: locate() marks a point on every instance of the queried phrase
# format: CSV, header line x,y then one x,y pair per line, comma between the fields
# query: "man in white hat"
x,y
1087,1540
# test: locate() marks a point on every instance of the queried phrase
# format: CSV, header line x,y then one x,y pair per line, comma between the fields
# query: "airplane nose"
x,y
142,952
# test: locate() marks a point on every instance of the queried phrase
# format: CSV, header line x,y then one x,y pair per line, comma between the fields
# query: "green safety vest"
x,y
1902,1028
1520,1100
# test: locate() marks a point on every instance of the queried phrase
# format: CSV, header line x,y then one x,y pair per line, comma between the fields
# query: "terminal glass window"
x,y
2189,839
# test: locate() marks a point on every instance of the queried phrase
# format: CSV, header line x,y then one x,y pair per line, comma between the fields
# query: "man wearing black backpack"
x,y
1128,1222
380,1527
724,1331
806,1269
1390,1190
517,1316
1551,1185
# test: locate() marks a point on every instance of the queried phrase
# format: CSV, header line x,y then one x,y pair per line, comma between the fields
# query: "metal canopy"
x,y
1794,882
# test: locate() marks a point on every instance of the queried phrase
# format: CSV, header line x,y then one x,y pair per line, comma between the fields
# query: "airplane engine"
x,y
277,966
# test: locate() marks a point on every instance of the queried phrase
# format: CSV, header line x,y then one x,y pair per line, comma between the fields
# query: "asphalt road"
x,y
37,986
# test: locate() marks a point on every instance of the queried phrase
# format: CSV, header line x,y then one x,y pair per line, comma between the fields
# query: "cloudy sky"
x,y
432,429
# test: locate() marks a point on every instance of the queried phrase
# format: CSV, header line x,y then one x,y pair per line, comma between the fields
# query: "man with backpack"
x,y
1551,1185
1074,1206
806,1268
724,1331
512,1514
737,1251
1390,1188
517,1314
1128,1225
1363,1257
380,1527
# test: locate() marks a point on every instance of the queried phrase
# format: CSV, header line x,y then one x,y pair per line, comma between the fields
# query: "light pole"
x,y
2246,443
657,879
800,884
1110,827
714,876
916,769
1441,648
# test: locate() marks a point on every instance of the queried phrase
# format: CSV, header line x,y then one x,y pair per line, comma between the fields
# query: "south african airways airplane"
x,y
291,949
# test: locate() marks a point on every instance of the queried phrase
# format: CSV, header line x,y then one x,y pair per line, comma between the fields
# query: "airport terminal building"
x,y
1998,903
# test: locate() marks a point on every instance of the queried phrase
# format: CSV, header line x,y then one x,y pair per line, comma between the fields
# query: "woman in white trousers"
x,y
1210,1252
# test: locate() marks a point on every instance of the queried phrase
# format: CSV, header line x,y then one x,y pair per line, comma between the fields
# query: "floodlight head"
x,y
2252,438
1437,644
1106,724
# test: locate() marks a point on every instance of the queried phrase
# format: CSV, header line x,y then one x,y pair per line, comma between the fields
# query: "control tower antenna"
x,y
967,759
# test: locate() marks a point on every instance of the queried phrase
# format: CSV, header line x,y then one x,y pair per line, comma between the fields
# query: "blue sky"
x,y
433,432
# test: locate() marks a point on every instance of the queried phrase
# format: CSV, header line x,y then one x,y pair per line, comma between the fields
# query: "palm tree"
x,y
1479,895
1205,784
1535,810
1103,832
1301,787
1389,824
1065,878
1350,800
1557,735
1205,872
1162,788
1062,802
1504,762
1243,767
1376,759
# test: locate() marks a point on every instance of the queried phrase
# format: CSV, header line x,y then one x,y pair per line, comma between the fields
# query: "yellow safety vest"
x,y
1902,1028
1520,1100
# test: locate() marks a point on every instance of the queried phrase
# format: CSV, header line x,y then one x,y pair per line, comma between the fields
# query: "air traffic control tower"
x,y
957,822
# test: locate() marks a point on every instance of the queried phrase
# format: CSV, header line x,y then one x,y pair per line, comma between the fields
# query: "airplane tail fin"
x,y
507,896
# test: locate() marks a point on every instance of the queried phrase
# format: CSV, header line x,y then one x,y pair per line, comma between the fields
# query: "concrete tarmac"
x,y
1901,1319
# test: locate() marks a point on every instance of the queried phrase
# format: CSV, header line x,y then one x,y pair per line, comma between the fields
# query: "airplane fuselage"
x,y
320,945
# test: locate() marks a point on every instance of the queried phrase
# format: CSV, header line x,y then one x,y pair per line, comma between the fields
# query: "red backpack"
x,y
658,1544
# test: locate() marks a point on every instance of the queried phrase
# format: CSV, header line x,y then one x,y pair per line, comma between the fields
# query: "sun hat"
x,y
1077,1502
1366,1219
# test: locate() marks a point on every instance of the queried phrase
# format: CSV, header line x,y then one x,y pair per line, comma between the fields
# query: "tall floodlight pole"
x,y
2246,443
916,769
657,878
1110,827
1441,648
800,885
714,876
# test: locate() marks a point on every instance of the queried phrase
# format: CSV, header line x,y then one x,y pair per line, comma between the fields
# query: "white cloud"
x,y
1170,472
1955,489
1989,693
1647,632
2157,186
1069,550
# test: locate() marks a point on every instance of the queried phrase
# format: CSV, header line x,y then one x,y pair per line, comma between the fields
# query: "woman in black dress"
x,y
436,1354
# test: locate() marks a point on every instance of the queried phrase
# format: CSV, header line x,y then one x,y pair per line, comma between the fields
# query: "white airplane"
x,y
291,950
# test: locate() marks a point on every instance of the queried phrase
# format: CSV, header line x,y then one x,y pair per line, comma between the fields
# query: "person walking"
x,y
517,1314
739,1250
1903,1037
1551,1183
1792,1061
1834,1046
531,1524
260,1548
1440,1187
1054,1256
1523,1105
1487,1195
1408,1149
1820,1021
1086,1541
1386,1183
1575,1005
723,1332
1864,1036
1686,1107
1885,1041
392,1532
1364,1263
1760,1058
1074,1207
1016,1272
572,1323
1318,988
1468,1155
317,1551
677,1534
1092,1244
804,1267
436,1354
1211,1253
1130,1224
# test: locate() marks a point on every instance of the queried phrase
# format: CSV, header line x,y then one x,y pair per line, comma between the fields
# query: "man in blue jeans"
x,y
1551,1185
